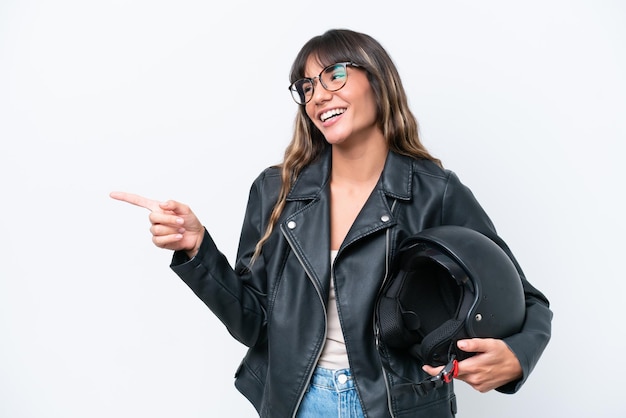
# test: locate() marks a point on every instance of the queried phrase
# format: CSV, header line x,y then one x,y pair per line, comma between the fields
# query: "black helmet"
x,y
448,283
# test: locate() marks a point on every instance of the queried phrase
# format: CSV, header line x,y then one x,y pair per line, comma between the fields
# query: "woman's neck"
x,y
359,164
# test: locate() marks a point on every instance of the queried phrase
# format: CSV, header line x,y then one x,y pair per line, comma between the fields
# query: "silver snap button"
x,y
342,379
291,224
384,218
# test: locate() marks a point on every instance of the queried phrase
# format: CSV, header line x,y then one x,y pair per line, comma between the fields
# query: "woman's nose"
x,y
320,94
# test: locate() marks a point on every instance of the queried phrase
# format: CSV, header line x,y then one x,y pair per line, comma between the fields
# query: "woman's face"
x,y
345,116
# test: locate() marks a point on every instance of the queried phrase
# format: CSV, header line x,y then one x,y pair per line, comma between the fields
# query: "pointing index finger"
x,y
135,199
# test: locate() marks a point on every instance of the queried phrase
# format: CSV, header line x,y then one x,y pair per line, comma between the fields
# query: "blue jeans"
x,y
331,394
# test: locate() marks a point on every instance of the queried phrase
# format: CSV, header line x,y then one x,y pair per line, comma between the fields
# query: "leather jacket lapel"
x,y
308,232
308,229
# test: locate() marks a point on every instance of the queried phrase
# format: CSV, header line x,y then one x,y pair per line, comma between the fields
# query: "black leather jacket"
x,y
278,307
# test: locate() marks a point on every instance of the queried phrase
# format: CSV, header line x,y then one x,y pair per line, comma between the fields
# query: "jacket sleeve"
x,y
236,296
460,207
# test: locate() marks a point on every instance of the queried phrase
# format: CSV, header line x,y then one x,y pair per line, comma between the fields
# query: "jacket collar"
x,y
396,178
311,188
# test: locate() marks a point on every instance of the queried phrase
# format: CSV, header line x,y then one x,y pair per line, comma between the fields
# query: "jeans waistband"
x,y
338,380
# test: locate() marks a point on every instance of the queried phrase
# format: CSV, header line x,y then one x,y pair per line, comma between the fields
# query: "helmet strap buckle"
x,y
449,372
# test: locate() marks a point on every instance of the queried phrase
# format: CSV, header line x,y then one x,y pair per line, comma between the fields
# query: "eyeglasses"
x,y
332,78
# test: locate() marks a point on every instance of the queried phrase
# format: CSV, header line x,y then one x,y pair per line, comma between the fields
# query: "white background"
x,y
188,100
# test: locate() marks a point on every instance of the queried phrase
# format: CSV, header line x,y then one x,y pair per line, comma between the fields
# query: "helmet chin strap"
x,y
449,372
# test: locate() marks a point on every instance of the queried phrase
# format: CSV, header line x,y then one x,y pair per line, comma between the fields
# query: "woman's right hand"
x,y
174,225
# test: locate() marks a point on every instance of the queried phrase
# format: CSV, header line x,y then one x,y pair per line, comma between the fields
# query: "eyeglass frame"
x,y
346,64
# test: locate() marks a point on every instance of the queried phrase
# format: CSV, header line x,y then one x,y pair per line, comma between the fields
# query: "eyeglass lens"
x,y
332,78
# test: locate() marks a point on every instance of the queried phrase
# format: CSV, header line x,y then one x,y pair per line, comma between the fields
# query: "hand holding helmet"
x,y
492,366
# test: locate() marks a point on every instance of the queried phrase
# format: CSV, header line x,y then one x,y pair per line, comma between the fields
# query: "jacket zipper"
x,y
376,329
319,295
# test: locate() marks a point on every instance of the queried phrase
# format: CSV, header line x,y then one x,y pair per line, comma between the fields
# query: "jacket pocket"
x,y
403,374
250,378
433,405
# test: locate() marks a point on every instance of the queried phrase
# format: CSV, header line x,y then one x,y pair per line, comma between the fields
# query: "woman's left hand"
x,y
493,365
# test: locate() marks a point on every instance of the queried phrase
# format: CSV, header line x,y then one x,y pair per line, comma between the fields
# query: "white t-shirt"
x,y
334,355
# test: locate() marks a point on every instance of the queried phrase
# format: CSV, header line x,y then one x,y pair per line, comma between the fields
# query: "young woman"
x,y
319,234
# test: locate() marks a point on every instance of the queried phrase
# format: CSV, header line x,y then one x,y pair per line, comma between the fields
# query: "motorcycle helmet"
x,y
448,283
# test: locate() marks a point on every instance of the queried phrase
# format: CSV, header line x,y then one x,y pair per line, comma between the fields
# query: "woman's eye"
x,y
338,73
306,88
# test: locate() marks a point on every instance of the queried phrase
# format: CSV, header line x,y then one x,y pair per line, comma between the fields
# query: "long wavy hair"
x,y
397,122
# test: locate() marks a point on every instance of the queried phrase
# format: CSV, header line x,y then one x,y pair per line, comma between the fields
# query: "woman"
x,y
319,233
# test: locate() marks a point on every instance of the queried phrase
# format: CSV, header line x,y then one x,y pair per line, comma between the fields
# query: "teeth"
x,y
333,112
